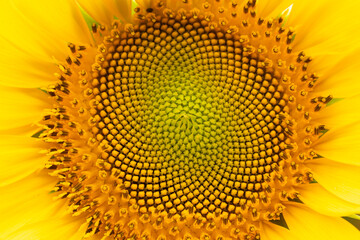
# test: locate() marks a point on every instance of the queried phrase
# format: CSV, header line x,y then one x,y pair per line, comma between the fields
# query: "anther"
x,y
81,48
314,76
253,13
281,19
246,9
319,129
314,100
288,132
327,99
72,47
68,60
306,115
310,176
304,78
60,77
304,67
94,28
317,108
160,4
77,61
311,84
307,141
308,59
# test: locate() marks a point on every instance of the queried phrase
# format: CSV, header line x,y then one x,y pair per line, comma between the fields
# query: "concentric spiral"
x,y
182,128
190,119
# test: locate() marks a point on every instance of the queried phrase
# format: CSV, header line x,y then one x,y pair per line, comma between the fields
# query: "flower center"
x,y
189,118
181,124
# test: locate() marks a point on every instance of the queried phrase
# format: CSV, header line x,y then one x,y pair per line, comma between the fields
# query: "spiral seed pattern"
x,y
180,127
190,119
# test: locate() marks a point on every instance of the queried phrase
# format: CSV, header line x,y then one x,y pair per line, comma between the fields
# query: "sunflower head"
x,y
183,120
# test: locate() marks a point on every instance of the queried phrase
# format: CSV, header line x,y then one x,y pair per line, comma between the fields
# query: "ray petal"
x,y
307,224
341,144
342,180
321,200
19,106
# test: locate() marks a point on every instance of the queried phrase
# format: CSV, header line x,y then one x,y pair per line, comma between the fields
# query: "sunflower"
x,y
164,119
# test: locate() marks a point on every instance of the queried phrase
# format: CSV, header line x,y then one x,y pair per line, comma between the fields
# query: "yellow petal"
x,y
102,11
325,25
174,5
60,19
338,74
29,211
51,229
145,3
319,199
27,201
341,144
19,157
193,4
322,28
124,9
320,25
26,63
343,180
339,114
19,33
25,130
272,231
20,69
19,107
310,225
30,44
